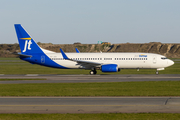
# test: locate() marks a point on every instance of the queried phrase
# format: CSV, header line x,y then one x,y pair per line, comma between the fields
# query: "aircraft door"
x,y
42,59
154,59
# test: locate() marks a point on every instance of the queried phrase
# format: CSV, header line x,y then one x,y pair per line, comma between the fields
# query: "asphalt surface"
x,y
88,104
86,78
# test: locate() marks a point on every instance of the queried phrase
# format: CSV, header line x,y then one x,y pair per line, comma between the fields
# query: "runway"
x,y
89,104
86,78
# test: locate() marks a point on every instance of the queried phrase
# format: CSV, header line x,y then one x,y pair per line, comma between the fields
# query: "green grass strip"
x,y
4,58
110,116
150,88
6,79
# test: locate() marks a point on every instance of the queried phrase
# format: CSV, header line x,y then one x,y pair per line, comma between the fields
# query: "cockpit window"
x,y
163,58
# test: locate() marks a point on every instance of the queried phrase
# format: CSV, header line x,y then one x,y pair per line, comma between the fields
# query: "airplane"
x,y
106,62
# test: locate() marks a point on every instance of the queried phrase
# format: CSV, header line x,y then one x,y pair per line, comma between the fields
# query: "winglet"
x,y
77,50
64,55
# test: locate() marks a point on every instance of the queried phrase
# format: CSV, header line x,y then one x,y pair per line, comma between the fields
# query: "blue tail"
x,y
27,45
31,52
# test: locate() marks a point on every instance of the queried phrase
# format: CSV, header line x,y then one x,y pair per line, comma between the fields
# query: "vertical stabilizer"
x,y
26,43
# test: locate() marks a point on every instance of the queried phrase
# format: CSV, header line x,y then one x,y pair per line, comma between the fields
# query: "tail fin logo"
x,y
27,44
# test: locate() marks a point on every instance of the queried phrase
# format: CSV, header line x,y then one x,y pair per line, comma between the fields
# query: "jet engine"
x,y
110,68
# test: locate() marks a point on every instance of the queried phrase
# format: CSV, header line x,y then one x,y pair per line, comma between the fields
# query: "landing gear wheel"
x,y
92,72
157,72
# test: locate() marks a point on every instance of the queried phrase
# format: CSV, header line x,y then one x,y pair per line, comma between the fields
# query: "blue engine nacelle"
x,y
110,68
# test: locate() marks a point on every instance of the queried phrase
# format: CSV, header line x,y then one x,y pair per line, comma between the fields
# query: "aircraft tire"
x,y
92,72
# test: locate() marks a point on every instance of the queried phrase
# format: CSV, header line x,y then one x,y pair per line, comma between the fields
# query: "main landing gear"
x,y
93,72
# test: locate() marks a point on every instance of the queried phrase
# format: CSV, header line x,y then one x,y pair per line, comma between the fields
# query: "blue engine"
x,y
110,68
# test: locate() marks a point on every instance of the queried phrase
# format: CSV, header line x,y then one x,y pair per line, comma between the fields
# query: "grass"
x,y
150,88
6,79
1,58
22,67
102,116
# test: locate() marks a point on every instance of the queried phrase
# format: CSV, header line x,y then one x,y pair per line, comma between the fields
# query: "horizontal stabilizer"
x,y
23,55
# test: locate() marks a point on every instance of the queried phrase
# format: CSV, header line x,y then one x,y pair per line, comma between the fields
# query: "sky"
x,y
90,21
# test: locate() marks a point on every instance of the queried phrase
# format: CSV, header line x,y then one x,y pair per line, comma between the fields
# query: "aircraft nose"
x,y
170,62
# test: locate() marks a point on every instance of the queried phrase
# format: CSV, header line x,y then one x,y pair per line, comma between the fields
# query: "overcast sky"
x,y
90,21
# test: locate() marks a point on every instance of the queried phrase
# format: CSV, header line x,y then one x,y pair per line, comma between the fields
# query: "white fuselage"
x,y
123,60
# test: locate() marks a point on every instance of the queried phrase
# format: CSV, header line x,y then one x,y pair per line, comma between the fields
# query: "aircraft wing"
x,y
86,64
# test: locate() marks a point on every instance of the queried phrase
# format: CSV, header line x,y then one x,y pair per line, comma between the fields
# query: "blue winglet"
x,y
77,50
64,55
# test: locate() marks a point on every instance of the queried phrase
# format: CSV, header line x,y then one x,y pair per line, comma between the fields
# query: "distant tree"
x,y
77,43
39,43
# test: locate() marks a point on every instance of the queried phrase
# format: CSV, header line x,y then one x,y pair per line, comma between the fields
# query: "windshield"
x,y
163,58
